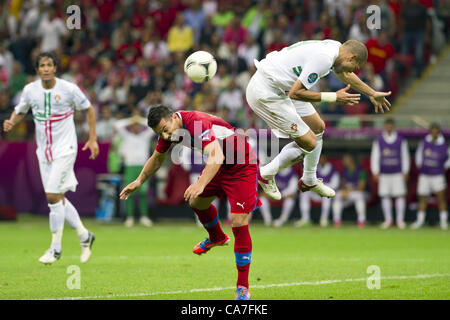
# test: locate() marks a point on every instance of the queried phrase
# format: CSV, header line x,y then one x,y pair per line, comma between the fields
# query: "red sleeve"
x,y
163,145
207,136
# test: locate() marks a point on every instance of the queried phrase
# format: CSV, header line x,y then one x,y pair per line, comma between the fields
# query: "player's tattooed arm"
x,y
12,121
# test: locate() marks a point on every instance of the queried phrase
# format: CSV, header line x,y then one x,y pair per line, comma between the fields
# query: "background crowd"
x,y
129,54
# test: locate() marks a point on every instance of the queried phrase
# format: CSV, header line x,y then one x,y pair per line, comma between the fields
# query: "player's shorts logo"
x,y
312,77
294,127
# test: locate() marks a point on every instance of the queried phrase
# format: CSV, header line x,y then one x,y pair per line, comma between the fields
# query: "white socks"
x,y
56,218
400,207
421,217
311,161
288,156
73,218
265,211
386,205
443,215
286,210
305,206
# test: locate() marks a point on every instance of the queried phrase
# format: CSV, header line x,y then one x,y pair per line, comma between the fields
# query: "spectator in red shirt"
x,y
164,18
380,52
235,32
106,10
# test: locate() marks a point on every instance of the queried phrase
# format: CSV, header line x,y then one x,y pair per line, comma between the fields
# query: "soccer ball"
x,y
200,66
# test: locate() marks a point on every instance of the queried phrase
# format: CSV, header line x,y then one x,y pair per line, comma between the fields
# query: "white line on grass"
x,y
304,283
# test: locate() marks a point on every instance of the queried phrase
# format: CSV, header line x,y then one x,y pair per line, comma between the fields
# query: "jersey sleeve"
x,y
79,99
207,134
23,106
162,145
315,68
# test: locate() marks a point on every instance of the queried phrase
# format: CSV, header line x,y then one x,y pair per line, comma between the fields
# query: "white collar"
x,y
440,140
390,139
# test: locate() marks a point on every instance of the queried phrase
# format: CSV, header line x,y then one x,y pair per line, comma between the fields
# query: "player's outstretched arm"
x,y
12,121
91,144
151,166
215,160
299,92
378,99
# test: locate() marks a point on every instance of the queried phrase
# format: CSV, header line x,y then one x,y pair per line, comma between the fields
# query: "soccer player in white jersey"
x,y
52,102
280,93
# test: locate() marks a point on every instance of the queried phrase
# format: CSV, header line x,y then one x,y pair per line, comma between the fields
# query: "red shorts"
x,y
239,183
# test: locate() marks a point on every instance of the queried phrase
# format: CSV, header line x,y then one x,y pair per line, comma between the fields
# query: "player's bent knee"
x,y
307,142
239,219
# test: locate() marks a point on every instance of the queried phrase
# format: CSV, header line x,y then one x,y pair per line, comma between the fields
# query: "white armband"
x,y
328,97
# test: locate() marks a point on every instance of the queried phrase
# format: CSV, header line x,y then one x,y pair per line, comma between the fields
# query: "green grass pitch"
x,y
287,263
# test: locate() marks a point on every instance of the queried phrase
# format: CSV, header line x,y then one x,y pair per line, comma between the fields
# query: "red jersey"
x,y
378,55
200,129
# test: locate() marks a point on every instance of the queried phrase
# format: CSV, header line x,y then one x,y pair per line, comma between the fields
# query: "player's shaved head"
x,y
157,113
358,48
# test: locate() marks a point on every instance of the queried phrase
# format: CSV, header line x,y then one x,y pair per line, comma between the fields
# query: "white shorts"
x,y
427,184
274,106
58,176
391,185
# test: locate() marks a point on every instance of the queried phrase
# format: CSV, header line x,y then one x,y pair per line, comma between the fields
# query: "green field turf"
x,y
287,263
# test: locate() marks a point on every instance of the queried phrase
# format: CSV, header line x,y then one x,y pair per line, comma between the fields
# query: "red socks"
x,y
243,253
210,220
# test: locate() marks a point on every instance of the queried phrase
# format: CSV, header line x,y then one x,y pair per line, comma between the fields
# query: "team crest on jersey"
x,y
294,127
57,98
312,77
386,152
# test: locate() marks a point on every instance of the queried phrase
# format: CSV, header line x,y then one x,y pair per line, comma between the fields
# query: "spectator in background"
x,y
352,185
105,124
223,17
235,32
286,181
174,96
135,150
249,50
4,76
413,24
8,60
181,36
51,30
374,80
164,17
18,79
156,51
208,31
389,163
195,18
255,18
140,79
330,177
5,104
432,160
235,64
358,30
222,78
232,98
278,43
380,54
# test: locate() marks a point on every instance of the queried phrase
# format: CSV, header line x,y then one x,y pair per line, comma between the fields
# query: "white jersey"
x,y
307,61
53,116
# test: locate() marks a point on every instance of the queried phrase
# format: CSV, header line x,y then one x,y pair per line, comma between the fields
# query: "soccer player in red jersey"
x,y
231,169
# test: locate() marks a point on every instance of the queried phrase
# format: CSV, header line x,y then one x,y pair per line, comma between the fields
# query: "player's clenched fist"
x,y
8,125
129,189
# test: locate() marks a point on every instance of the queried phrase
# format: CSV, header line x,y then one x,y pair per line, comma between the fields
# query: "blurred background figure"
x,y
286,181
135,150
390,163
353,183
330,176
432,160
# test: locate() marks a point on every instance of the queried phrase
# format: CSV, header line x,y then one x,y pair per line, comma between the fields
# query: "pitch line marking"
x,y
303,283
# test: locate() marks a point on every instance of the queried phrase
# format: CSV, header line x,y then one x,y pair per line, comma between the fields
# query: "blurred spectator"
x,y
380,54
164,17
234,63
255,19
181,36
5,105
208,31
249,50
18,79
105,124
223,17
278,43
129,51
205,99
374,80
352,185
358,30
174,96
120,34
209,7
330,176
73,74
222,78
4,76
156,51
7,59
51,29
135,151
432,160
389,163
235,32
140,79
106,9
232,99
115,93
414,22
195,18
